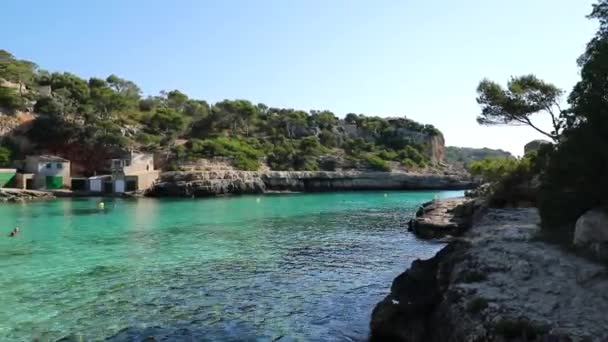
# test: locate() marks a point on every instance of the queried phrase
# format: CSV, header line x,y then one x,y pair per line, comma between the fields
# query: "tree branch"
x,y
529,123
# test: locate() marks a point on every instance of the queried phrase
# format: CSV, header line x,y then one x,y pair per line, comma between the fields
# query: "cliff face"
x,y
199,184
496,283
435,147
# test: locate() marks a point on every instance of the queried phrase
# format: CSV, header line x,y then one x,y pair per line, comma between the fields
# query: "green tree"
x,y
124,87
351,118
524,96
234,114
5,156
19,71
328,138
574,180
74,87
166,121
9,99
176,100
323,119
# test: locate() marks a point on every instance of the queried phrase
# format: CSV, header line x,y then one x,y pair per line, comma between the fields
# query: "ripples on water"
x,y
307,267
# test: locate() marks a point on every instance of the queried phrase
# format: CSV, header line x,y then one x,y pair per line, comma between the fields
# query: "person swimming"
x,y
14,232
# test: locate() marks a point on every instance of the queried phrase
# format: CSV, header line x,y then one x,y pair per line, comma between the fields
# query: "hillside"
x,y
87,121
462,156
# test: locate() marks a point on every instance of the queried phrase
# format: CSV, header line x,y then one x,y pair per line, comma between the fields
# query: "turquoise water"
x,y
300,267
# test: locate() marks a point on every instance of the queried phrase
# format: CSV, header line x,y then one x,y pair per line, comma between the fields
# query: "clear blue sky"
x,y
421,59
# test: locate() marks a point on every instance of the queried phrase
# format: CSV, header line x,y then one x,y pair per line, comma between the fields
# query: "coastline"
x,y
496,282
190,184
213,183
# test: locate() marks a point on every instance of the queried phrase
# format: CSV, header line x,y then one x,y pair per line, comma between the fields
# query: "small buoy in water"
x,y
257,200
101,205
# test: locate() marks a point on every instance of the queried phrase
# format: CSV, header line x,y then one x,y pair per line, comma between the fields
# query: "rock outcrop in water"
x,y
497,283
437,219
209,183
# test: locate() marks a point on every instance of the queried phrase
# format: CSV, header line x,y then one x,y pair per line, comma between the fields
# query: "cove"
x,y
276,267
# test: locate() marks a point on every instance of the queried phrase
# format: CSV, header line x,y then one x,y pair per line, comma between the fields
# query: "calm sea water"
x,y
305,267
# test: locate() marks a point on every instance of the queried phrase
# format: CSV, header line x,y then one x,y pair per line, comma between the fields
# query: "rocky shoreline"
x,y
17,195
211,183
498,282
448,217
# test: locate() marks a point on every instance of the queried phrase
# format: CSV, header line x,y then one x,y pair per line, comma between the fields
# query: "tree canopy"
x,y
524,96
87,120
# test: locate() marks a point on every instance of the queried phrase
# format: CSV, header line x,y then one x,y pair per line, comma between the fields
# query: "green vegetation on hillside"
x,y
464,156
572,172
88,120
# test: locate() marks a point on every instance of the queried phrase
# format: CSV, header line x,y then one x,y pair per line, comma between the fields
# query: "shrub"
x,y
473,277
388,155
497,169
476,305
9,99
48,105
518,329
5,156
408,163
244,155
513,181
412,153
377,163
303,163
242,162
148,139
328,139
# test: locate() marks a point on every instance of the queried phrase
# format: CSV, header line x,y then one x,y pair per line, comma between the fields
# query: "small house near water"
x,y
133,171
49,172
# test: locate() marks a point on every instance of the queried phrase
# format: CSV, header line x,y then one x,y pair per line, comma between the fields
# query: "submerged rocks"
x,y
209,183
443,217
591,233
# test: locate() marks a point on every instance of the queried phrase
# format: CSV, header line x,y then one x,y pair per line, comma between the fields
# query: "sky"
x,y
413,58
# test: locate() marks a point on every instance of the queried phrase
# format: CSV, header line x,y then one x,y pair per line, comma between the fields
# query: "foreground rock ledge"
x,y
210,183
497,283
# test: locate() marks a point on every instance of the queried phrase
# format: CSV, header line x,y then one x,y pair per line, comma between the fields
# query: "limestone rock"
x,y
535,145
497,282
591,233
209,183
440,218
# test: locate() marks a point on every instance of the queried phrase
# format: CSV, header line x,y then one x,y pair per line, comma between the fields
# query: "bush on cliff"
x,y
512,181
377,163
244,155
11,100
5,156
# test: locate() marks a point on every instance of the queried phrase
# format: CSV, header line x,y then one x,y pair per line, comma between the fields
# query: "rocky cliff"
x,y
209,183
497,283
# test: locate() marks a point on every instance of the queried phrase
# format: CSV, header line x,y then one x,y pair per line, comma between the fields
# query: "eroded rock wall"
x,y
199,184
